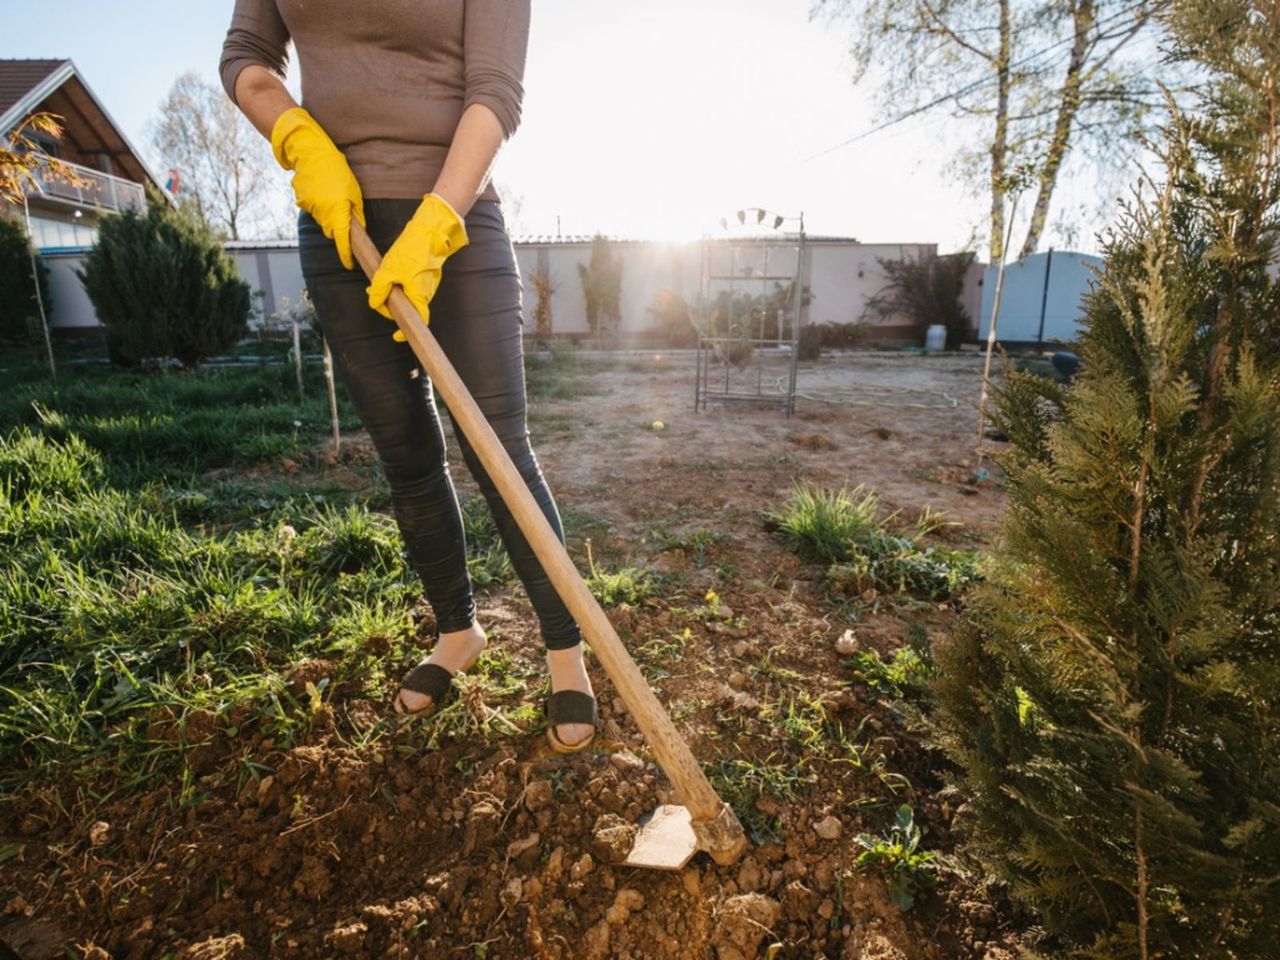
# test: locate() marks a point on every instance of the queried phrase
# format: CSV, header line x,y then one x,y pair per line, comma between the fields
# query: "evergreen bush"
x,y
926,290
18,304
163,287
1113,703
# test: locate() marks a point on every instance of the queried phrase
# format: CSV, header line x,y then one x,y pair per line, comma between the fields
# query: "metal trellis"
x,y
749,337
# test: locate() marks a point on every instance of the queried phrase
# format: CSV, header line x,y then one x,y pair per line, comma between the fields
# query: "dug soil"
x,y
490,845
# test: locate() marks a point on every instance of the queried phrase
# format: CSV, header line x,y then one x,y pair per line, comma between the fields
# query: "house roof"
x,y
18,78
56,86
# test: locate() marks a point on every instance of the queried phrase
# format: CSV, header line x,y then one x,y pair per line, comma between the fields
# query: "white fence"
x,y
841,275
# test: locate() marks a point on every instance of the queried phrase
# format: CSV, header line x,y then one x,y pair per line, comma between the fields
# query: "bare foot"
x,y
568,672
454,651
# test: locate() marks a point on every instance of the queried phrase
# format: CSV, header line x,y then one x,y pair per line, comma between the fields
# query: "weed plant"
x,y
842,530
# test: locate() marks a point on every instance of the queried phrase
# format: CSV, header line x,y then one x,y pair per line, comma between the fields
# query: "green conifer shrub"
x,y
1113,703
18,305
163,287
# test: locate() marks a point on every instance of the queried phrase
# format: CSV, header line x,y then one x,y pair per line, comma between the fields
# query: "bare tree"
x,y
225,169
1043,77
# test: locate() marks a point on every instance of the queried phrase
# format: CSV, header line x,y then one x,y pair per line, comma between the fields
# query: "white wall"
x,y
275,270
70,304
841,274
844,276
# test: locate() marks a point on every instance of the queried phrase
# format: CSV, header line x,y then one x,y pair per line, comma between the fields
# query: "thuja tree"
x,y
18,303
1113,702
163,287
926,290
602,287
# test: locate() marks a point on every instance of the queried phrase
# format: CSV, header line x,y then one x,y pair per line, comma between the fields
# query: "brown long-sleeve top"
x,y
388,80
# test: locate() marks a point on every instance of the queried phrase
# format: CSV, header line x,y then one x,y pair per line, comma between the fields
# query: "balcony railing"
x,y
92,188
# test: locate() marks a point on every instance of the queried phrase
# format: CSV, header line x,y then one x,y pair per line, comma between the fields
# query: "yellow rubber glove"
x,y
416,258
322,182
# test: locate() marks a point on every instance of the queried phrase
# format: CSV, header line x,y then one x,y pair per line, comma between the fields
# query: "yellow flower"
x,y
711,597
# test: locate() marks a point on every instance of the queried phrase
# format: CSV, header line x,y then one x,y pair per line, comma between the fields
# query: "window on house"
x,y
48,233
46,143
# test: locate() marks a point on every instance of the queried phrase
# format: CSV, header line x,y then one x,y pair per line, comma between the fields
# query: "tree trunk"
x,y
1000,142
1083,16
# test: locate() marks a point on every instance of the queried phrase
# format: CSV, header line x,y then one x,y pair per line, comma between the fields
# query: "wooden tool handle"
x,y
673,754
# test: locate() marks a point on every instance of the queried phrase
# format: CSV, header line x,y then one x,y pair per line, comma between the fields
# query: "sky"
x,y
650,119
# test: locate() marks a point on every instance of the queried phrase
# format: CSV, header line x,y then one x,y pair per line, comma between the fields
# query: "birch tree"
x,y
1039,80
225,168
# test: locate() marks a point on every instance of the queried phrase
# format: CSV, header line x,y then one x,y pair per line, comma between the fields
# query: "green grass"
x,y
559,374
145,575
487,560
170,427
698,543
741,781
111,608
843,530
825,526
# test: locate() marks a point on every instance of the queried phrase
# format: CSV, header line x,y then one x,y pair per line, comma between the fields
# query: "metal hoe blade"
x,y
665,839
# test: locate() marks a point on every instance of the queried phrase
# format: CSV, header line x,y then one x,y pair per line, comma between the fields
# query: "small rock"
x,y
264,789
627,762
740,649
348,939
582,867
99,833
745,702
524,852
737,679
750,876
231,947
828,828
512,892
847,644
537,794
839,701
745,919
555,865
691,883
826,908
312,881
624,902
798,901
482,824
597,941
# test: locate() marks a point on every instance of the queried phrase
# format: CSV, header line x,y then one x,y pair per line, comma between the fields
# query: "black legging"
x,y
476,317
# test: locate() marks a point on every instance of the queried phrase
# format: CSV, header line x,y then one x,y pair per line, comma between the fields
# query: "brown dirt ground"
x,y
494,847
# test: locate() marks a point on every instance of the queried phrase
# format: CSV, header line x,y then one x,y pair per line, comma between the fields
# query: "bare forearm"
x,y
262,97
471,154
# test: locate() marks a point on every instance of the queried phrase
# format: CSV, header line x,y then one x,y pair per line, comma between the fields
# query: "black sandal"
x,y
429,679
570,706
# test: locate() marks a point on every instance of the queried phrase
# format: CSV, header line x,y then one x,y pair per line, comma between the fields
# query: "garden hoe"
x,y
669,836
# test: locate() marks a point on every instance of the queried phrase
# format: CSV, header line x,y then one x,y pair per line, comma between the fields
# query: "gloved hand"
x,y
322,182
415,260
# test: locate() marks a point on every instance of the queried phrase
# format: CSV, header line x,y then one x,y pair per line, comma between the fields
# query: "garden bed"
x,y
242,791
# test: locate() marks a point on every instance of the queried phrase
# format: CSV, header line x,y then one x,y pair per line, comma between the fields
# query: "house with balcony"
x,y
109,174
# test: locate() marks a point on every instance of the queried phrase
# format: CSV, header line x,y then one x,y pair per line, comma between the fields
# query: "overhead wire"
x,y
968,88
